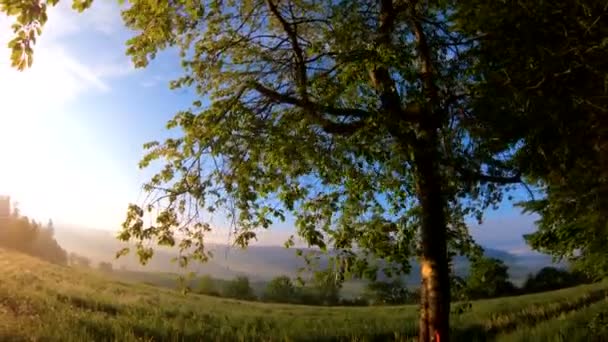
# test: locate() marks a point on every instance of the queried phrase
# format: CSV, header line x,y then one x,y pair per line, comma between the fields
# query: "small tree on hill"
x,y
280,289
326,285
207,286
488,278
239,288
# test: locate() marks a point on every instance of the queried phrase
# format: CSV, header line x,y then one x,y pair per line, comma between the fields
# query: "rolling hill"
x,y
45,302
258,262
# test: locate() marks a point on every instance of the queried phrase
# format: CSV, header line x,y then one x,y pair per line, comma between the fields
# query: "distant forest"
x,y
28,236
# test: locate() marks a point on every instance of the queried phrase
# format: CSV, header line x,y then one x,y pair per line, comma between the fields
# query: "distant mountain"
x,y
258,262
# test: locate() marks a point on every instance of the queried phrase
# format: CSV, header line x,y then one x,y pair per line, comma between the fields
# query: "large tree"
x,y
547,84
355,117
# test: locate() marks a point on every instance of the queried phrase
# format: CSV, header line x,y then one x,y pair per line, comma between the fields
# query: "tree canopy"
x,y
238,288
280,289
550,80
551,278
387,292
488,278
207,285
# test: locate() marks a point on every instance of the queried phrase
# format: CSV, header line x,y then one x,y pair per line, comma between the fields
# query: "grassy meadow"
x,y
45,302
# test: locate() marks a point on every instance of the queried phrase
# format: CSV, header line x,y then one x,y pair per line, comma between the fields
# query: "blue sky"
x,y
72,127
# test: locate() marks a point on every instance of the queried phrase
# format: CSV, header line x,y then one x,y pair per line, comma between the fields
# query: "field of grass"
x,y
44,302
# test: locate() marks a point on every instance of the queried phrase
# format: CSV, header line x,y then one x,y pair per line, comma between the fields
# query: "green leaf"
x,y
122,252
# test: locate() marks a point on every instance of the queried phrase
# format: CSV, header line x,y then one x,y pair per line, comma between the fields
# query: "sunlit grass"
x,y
39,301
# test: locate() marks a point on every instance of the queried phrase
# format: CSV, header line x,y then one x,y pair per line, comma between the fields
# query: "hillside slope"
x,y
258,262
40,301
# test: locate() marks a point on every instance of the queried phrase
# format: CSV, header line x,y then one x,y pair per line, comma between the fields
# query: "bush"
x,y
208,286
386,293
325,287
280,290
551,278
239,288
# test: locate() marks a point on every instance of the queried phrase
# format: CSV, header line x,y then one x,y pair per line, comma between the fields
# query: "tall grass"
x,y
39,301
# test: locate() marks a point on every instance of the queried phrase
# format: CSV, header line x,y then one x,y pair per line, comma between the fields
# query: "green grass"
x,y
46,302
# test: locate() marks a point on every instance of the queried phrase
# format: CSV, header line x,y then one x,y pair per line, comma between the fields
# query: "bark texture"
x,y
435,286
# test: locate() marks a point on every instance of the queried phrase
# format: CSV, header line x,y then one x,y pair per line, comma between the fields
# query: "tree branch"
x,y
315,107
380,75
483,178
301,78
315,111
498,179
426,68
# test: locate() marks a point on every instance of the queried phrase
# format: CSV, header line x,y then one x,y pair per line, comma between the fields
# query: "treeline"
x,y
488,278
320,290
28,236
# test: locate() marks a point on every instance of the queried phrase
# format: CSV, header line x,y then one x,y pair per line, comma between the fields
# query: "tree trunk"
x,y
435,286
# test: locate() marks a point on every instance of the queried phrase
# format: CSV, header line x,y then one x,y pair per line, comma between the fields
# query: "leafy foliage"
x,y
239,288
281,290
326,286
207,286
551,278
547,86
458,288
488,278
31,16
302,115
387,293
